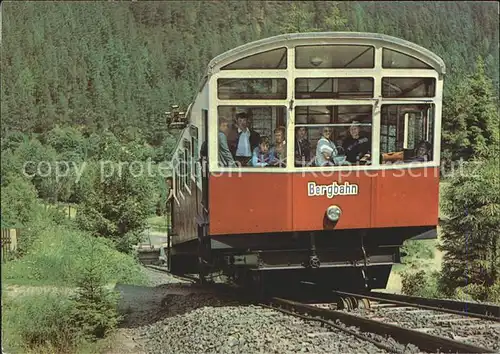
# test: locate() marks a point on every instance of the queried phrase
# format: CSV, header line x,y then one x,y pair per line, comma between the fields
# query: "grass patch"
x,y
55,321
59,254
158,223
35,321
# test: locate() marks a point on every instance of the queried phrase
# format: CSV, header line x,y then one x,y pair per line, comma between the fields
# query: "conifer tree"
x,y
470,232
470,117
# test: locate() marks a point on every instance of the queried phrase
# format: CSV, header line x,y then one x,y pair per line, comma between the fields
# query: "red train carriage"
x,y
321,156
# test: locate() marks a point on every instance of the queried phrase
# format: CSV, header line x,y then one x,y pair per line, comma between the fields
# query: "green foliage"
x,y
474,292
297,19
59,321
418,252
118,203
37,320
58,255
471,234
18,202
42,218
421,284
94,306
471,120
132,60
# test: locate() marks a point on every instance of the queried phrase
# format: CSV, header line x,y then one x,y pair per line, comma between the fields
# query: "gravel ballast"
x,y
248,329
174,316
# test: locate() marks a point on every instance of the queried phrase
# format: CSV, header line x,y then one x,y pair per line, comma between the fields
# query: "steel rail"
x,y
424,341
428,304
331,324
490,312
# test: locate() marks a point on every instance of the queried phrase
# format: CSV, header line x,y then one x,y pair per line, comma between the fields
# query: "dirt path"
x,y
141,306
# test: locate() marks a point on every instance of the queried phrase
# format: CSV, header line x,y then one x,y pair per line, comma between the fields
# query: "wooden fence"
x,y
9,242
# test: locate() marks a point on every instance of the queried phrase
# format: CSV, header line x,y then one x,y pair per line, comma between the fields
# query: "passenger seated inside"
x,y
279,149
262,156
423,152
302,147
356,146
325,149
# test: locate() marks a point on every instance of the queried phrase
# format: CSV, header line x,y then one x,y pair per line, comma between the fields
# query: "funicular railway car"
x,y
311,155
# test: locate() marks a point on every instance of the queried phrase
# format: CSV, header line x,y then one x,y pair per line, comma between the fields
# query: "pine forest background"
x,y
119,66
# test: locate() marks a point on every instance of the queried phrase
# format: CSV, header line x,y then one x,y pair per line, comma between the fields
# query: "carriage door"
x,y
204,164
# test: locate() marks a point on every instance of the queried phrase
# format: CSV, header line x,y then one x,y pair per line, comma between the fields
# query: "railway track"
x,y
477,325
368,326
431,325
467,309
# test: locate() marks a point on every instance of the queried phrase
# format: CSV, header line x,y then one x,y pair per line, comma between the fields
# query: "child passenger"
x,y
262,156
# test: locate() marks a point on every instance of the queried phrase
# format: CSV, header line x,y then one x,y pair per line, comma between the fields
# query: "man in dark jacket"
x,y
302,148
356,145
242,140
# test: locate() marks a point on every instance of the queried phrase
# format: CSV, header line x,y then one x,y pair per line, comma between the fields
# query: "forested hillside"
x,y
98,65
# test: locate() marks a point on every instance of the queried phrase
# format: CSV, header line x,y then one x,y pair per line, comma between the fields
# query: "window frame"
x,y
282,97
430,130
285,57
370,47
195,152
186,148
365,103
385,48
335,94
434,83
250,104
292,73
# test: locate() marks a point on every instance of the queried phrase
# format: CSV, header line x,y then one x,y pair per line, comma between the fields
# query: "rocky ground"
x,y
172,316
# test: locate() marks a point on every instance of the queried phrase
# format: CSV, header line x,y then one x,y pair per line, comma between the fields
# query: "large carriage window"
x,y
182,168
333,135
406,133
334,56
397,60
251,89
334,88
252,136
272,59
194,151
178,179
188,162
408,87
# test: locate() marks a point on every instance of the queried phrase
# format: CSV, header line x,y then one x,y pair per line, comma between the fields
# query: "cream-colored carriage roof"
x,y
326,38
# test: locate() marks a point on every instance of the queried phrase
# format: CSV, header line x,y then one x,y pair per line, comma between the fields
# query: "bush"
x,y
474,292
418,252
59,255
478,292
494,293
420,284
41,219
50,321
32,321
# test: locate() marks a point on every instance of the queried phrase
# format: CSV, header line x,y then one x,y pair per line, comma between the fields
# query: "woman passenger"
x,y
325,149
